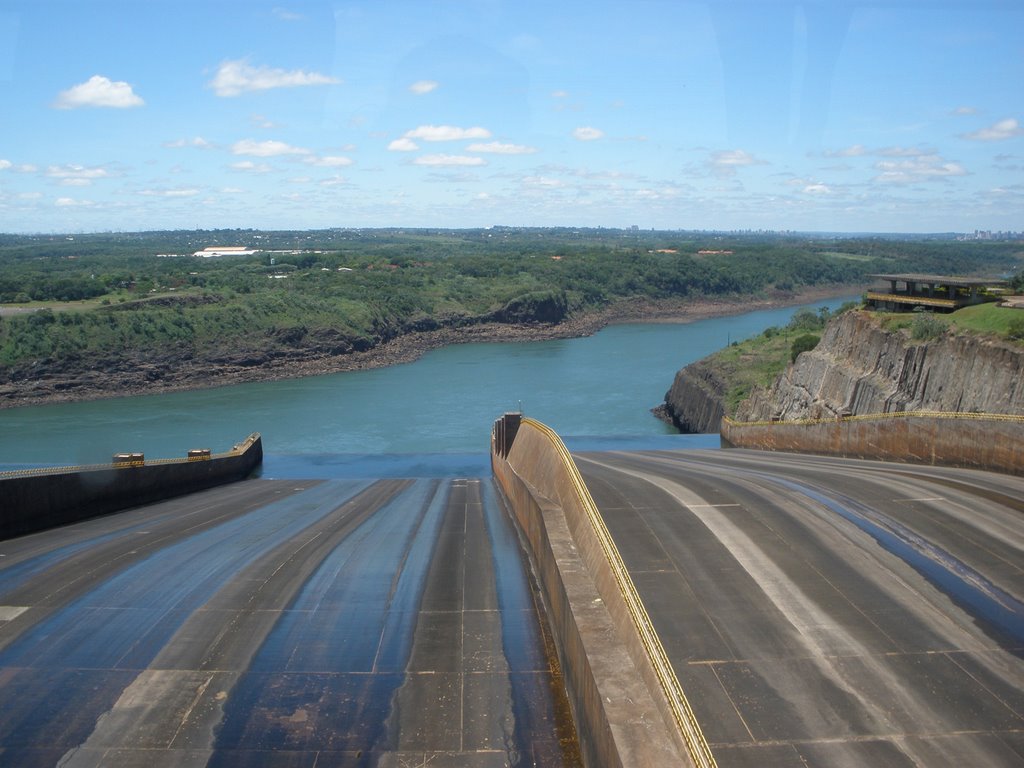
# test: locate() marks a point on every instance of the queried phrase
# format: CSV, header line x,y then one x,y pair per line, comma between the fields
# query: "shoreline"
x,y
191,375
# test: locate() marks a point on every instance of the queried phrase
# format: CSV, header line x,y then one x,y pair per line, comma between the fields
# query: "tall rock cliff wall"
x,y
860,368
696,402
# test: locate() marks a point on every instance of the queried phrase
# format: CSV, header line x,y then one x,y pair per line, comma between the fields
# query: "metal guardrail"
x,y
682,712
1010,417
236,450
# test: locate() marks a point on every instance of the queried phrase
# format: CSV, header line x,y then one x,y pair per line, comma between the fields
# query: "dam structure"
x,y
613,604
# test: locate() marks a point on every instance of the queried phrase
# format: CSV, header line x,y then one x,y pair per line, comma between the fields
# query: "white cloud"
x,y
236,77
169,192
5,164
965,111
726,161
421,87
76,175
403,145
1004,129
447,133
663,193
559,94
329,161
262,122
268,148
497,148
912,171
285,15
70,202
817,189
587,133
856,150
448,160
250,167
543,182
198,142
98,91
904,152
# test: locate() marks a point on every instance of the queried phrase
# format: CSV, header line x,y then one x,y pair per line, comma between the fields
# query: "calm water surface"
x,y
445,402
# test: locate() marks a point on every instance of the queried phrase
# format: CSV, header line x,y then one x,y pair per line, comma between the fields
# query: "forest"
x,y
74,297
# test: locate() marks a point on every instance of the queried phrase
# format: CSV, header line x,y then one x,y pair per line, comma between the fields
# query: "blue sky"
x,y
894,116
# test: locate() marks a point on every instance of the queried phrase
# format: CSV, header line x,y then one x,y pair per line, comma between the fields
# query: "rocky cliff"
x,y
859,367
696,402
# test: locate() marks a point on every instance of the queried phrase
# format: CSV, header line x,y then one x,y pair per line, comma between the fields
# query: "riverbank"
x,y
72,381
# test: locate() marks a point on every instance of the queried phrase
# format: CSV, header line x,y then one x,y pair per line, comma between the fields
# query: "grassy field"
x,y
984,319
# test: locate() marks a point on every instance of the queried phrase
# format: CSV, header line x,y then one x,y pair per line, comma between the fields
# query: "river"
x,y
441,405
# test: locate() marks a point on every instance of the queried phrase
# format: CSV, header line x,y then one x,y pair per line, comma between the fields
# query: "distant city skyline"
x,y
873,116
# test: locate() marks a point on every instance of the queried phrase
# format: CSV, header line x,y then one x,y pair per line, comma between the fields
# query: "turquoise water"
x,y
444,403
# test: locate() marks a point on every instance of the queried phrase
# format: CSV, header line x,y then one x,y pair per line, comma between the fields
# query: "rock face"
x,y
696,402
861,368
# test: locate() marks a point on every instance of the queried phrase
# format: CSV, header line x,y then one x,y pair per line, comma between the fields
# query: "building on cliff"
x,y
938,293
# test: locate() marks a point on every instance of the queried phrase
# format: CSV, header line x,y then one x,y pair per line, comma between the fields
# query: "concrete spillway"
x,y
781,610
341,622
700,607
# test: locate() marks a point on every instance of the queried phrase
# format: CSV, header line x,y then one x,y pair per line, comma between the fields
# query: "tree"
x,y
804,343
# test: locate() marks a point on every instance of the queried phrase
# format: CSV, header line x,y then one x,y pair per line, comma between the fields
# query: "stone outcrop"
x,y
696,402
859,367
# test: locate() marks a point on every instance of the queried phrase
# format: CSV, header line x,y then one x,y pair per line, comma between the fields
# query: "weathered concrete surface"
x,y
280,623
919,439
861,368
621,715
829,613
695,403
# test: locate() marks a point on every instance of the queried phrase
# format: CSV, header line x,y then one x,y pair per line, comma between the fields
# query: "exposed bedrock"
x,y
859,367
696,402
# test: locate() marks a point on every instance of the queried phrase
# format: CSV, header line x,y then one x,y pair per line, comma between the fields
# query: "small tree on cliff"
x,y
926,326
804,343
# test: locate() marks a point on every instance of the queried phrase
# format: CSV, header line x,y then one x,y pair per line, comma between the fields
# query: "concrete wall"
x,y
38,500
622,715
967,440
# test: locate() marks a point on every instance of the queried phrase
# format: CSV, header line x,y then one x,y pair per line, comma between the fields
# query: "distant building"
x,y
224,250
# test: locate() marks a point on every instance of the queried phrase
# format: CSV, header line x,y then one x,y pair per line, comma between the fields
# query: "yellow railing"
x,y
1011,417
905,298
683,714
236,450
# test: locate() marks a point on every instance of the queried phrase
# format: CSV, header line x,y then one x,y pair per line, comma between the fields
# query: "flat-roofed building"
x,y
224,250
939,293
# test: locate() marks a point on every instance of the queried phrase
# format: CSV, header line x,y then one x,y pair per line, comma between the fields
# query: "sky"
x,y
822,115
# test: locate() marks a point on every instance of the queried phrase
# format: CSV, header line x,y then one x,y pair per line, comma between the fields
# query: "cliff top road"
x,y
825,612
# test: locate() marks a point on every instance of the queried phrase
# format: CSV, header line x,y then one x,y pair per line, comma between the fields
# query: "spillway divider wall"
x,y
533,468
33,500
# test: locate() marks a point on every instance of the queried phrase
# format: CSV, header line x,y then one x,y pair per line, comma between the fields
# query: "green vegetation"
x,y
985,319
112,295
758,361
804,343
926,326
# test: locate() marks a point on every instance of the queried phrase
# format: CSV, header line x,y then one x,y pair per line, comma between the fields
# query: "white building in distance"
x,y
225,250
